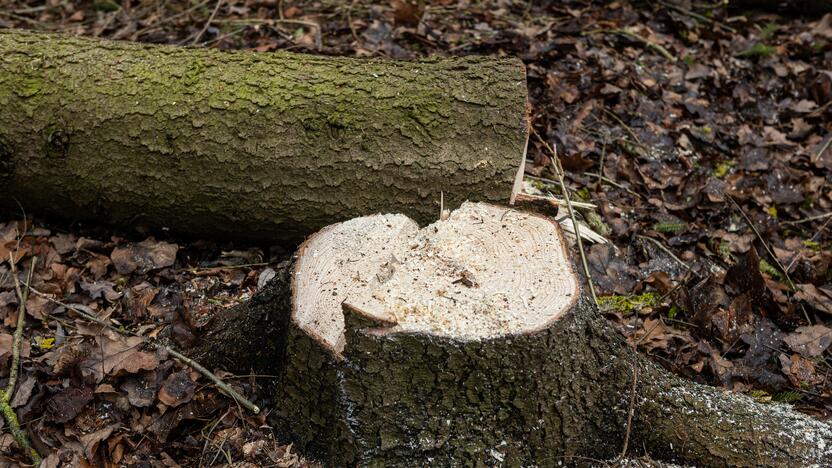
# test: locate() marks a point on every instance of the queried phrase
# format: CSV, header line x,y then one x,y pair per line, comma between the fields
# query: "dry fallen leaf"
x,y
799,370
810,341
91,441
66,404
23,392
818,298
145,256
177,389
6,341
114,353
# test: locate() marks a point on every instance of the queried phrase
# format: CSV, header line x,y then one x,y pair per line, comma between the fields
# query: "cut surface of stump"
x,y
484,272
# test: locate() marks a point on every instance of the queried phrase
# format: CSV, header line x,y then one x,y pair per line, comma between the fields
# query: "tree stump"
x,y
470,342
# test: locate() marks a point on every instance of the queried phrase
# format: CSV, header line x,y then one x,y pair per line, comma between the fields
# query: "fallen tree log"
x,y
471,341
263,147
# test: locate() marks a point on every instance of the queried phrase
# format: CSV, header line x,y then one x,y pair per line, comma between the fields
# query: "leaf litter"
x,y
662,116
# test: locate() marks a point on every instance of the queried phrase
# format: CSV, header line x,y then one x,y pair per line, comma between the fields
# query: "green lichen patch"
x,y
626,305
28,88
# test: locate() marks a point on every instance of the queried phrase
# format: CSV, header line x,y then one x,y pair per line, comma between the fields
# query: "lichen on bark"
x,y
267,147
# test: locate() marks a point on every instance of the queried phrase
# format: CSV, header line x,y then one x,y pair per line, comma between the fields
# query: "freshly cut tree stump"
x,y
469,342
265,147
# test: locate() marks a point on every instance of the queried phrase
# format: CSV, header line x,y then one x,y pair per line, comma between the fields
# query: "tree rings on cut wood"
x,y
485,272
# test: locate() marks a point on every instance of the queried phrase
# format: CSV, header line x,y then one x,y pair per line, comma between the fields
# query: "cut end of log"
x,y
484,272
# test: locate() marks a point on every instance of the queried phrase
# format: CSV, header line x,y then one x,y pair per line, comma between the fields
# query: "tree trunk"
x,y
403,379
264,147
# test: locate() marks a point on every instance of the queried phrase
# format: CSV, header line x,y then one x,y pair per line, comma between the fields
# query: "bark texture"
x,y
556,397
250,336
267,147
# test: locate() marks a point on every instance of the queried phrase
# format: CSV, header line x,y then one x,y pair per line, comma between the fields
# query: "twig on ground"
x,y
207,23
168,19
224,36
809,219
823,148
14,426
696,15
560,201
631,412
213,378
762,240
272,22
202,271
773,257
190,362
667,251
349,22
6,395
549,181
631,35
626,127
812,239
658,322
22,297
559,173
613,183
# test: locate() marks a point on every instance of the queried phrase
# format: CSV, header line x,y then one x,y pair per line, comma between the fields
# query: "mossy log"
x,y
470,343
264,147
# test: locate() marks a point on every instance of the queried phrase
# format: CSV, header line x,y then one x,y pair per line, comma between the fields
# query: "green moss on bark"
x,y
246,145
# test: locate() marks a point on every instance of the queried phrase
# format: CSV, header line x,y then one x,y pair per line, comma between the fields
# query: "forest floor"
x,y
702,134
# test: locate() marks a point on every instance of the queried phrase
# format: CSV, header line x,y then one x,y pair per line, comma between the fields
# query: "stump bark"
x,y
470,342
263,147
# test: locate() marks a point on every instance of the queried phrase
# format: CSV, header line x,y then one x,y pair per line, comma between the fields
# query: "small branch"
x,y
699,17
271,22
14,426
190,362
207,23
626,127
22,297
5,396
349,22
631,412
647,43
170,18
769,251
667,251
613,183
762,240
213,378
558,201
559,173
809,219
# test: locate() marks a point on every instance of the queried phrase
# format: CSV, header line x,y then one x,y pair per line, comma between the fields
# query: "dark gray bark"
x,y
561,395
265,147
250,337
